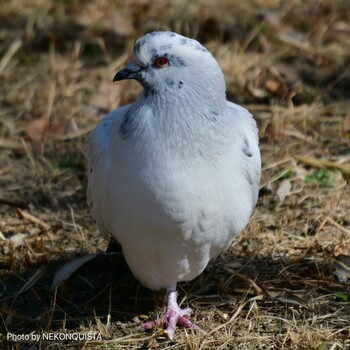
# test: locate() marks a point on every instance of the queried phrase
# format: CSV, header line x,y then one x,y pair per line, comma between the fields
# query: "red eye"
x,y
161,62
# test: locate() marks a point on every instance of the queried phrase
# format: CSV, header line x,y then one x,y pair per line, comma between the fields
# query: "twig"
x,y
52,311
9,54
9,144
29,153
245,278
51,98
233,317
12,203
29,284
320,163
340,227
276,164
24,215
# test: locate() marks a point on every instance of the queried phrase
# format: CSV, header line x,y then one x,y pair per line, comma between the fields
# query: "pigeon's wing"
x,y
98,157
249,143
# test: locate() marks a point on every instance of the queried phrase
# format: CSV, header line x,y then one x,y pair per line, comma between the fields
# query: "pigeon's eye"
x,y
161,62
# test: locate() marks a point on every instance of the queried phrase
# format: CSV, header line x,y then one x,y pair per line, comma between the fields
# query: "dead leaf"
x,y
287,71
118,23
257,93
339,32
341,249
342,268
288,297
291,298
284,190
108,96
39,129
272,85
269,82
17,239
56,129
69,268
36,129
342,27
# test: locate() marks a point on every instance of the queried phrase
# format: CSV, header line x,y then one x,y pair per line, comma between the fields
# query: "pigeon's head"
x,y
169,63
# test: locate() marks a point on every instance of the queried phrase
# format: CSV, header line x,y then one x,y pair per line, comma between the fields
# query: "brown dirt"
x,y
276,288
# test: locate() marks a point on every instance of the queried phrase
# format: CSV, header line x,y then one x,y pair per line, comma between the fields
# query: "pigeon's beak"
x,y
129,72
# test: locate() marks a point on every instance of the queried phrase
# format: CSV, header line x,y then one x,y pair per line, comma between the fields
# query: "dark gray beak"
x,y
129,72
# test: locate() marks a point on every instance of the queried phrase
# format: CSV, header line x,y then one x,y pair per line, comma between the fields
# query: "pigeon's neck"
x,y
188,105
182,124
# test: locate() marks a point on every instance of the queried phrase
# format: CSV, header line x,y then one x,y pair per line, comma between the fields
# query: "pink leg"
x,y
173,316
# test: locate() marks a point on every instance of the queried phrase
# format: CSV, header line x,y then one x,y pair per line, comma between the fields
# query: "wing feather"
x,y
250,147
98,157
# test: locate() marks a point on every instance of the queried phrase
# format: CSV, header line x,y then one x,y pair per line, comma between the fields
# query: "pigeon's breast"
x,y
172,216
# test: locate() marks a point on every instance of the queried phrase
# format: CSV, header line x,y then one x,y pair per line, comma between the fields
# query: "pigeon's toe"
x,y
174,316
177,316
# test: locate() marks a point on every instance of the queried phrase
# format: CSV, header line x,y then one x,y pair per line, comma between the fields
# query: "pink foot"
x,y
173,316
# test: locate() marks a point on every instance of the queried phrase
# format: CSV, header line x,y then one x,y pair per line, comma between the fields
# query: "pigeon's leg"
x,y
174,316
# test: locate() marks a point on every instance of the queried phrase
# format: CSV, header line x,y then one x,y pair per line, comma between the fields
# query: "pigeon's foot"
x,y
177,316
174,316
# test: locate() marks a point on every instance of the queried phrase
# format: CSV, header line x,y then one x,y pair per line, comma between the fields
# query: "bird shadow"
x,y
104,289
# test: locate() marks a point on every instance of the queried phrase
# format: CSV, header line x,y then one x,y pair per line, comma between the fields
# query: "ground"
x,y
284,282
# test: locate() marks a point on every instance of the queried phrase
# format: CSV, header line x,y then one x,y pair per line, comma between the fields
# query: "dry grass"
x,y
287,61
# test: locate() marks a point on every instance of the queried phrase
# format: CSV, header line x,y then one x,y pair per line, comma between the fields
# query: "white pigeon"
x,y
174,177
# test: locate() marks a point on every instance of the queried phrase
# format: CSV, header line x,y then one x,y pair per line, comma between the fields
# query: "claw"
x,y
174,316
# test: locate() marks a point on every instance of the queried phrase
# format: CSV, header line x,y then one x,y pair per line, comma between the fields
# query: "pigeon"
x,y
174,176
